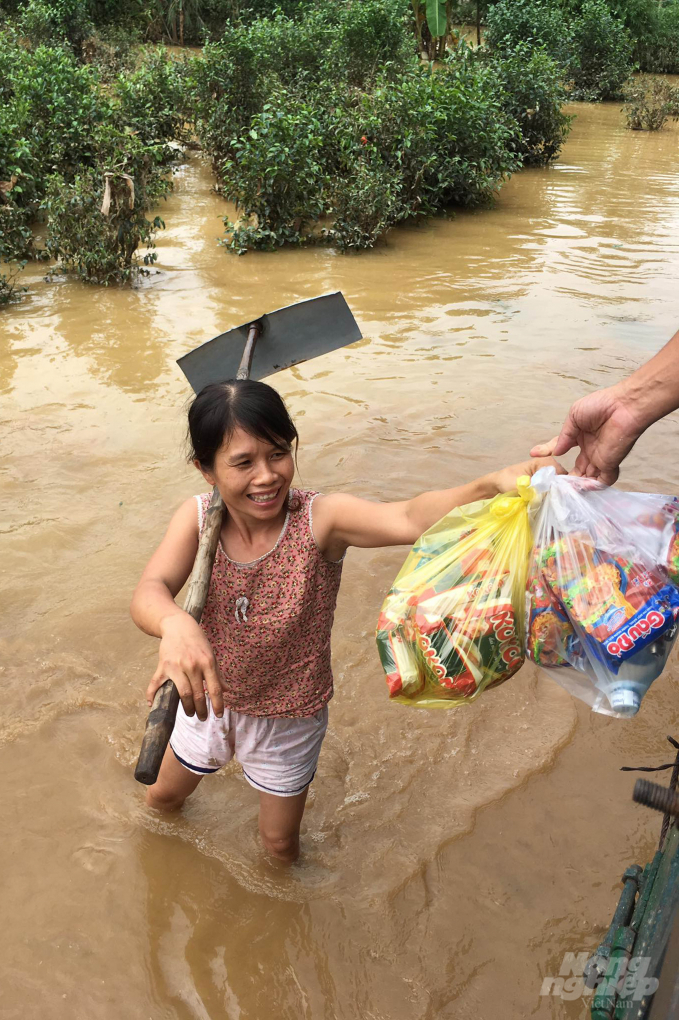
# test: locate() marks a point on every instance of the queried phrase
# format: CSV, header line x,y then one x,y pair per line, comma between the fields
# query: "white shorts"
x,y
277,755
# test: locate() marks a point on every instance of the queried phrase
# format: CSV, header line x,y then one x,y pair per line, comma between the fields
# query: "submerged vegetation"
x,y
650,102
325,122
85,156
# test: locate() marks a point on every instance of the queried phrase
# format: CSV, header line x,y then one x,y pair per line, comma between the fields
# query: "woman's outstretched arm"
x,y
341,520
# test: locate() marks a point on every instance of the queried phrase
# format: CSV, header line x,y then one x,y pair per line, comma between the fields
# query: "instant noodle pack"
x,y
581,578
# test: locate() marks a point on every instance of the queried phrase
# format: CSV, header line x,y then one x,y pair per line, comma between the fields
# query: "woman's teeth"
x,y
268,498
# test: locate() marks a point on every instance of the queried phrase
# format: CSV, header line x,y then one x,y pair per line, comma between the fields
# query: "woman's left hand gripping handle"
x,y
186,658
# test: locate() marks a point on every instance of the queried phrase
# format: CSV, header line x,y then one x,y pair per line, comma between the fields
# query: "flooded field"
x,y
450,859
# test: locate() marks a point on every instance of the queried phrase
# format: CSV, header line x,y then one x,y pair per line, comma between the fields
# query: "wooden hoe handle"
x,y
161,718
164,709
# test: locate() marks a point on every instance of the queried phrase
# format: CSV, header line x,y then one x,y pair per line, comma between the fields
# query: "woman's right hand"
x,y
186,658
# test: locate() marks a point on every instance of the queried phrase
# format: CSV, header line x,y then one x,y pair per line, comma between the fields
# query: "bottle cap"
x,y
624,700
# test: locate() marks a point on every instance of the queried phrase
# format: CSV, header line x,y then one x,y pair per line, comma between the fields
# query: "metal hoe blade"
x,y
288,336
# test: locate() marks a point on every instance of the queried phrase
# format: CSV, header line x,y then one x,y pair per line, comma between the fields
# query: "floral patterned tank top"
x,y
269,621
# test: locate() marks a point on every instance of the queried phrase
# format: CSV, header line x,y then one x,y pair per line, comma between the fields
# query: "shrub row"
x,y
316,135
589,43
68,142
324,126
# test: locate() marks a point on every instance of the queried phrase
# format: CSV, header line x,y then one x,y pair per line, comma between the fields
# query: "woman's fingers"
x,y
194,675
544,449
181,682
189,684
185,657
157,681
214,684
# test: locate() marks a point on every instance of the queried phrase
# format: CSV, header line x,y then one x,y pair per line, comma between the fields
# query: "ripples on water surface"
x,y
450,858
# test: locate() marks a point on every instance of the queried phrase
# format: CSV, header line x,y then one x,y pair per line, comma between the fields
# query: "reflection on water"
x,y
450,859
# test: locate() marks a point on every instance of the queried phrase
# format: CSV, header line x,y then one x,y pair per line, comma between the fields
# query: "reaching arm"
x,y
184,655
342,520
606,424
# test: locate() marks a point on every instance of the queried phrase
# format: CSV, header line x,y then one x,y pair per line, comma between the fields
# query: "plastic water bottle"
x,y
637,674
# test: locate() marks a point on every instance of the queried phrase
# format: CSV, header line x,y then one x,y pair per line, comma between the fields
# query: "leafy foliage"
x,y
15,240
276,175
370,159
46,22
512,23
589,43
61,131
650,102
365,40
112,49
602,53
150,101
321,122
534,95
97,247
657,46
348,45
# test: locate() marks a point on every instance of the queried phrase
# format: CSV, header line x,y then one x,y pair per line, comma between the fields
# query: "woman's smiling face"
x,y
253,477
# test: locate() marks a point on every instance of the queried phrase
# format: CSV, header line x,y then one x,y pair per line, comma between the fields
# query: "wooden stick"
x,y
246,361
160,722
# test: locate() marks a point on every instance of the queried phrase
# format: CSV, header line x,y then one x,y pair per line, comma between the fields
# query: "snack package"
x,y
602,598
673,555
453,622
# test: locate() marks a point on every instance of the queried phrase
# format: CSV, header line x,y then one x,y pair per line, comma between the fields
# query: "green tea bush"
x,y
16,236
261,8
55,109
307,120
589,43
98,247
113,50
511,23
364,206
653,27
62,131
657,49
47,22
150,100
276,177
321,122
602,53
16,240
446,132
650,102
370,159
9,291
533,95
368,40
227,87
331,44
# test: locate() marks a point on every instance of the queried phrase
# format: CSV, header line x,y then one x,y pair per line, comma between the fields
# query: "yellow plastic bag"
x,y
453,622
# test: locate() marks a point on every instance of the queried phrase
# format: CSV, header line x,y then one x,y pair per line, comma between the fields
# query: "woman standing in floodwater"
x,y
262,649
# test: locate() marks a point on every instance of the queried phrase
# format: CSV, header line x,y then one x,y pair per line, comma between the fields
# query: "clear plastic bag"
x,y
602,600
453,622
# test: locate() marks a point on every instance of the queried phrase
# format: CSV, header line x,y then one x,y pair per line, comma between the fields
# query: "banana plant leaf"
x,y
436,17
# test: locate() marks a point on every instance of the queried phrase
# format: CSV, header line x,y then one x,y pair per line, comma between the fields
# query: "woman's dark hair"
x,y
220,408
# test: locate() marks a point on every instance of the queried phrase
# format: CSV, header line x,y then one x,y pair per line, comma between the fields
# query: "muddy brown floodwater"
x,y
450,859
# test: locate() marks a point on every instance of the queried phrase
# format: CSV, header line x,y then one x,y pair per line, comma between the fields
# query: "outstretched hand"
x,y
505,479
605,429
